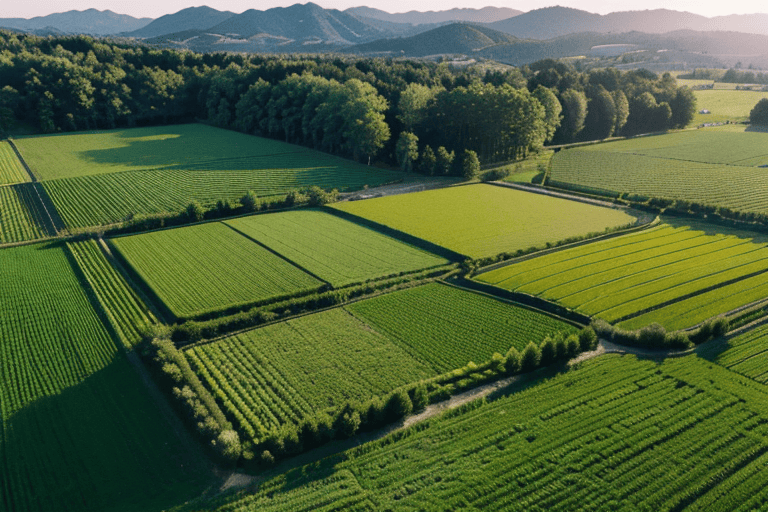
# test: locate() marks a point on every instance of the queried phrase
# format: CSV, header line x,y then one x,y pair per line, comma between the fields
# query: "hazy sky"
x,y
157,8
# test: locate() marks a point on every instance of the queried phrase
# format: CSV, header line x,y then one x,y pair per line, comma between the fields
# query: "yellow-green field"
x,y
485,220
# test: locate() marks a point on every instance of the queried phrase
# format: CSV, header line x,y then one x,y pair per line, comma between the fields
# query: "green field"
x,y
11,170
336,250
616,434
21,215
209,267
288,371
620,278
447,327
125,311
746,354
725,105
485,220
282,373
78,430
104,177
717,166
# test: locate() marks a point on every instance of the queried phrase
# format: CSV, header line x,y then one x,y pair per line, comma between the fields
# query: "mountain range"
x,y
492,33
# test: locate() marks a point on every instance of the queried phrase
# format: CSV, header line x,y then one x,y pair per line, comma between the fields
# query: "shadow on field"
x,y
99,444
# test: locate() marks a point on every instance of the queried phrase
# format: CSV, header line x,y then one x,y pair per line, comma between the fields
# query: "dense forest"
x,y
395,110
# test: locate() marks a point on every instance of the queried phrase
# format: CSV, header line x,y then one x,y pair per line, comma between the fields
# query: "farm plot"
x,y
21,215
747,354
615,434
714,167
11,170
209,267
77,429
725,104
105,177
127,315
334,249
685,265
283,373
484,220
447,327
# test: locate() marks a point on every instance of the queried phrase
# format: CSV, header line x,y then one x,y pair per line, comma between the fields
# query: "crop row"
x,y
109,198
69,399
203,268
616,434
746,353
11,170
712,184
336,250
618,278
21,217
128,316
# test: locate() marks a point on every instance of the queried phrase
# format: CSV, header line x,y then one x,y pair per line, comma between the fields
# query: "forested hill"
x,y
355,107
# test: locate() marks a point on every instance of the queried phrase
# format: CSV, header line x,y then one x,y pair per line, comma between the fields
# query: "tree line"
x,y
416,114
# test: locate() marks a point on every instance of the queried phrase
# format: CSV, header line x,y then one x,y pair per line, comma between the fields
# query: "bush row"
x,y
355,417
197,403
194,331
224,208
654,336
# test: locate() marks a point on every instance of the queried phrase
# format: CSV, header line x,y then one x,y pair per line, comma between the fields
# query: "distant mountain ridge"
x,y
90,21
483,15
192,18
551,22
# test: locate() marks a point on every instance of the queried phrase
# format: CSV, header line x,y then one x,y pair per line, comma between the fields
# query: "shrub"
x,y
561,351
530,358
587,339
195,212
250,202
420,397
548,353
470,165
512,363
572,346
497,363
652,336
266,458
227,444
349,423
398,405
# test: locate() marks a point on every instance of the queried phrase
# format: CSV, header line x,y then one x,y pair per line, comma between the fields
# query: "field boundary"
x,y
538,189
531,301
459,284
402,236
543,252
247,237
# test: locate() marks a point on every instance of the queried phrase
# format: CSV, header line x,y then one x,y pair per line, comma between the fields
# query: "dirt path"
x,y
409,184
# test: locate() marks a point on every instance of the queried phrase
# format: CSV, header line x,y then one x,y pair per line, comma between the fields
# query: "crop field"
x,y
746,354
76,427
127,315
21,215
209,267
485,220
336,250
684,264
285,372
617,433
105,177
716,167
11,170
447,327
725,105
